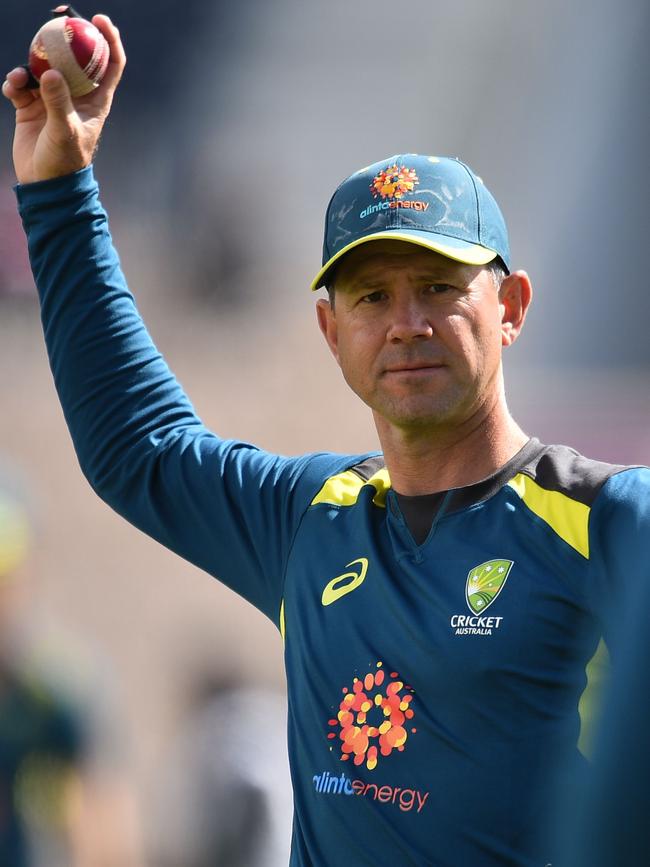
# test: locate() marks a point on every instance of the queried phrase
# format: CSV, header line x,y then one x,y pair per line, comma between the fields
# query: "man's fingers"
x,y
117,60
55,94
19,98
19,77
15,88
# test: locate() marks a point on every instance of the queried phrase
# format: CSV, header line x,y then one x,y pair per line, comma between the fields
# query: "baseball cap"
x,y
434,202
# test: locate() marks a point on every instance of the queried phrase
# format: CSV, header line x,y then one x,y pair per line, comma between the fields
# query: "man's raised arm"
x,y
228,507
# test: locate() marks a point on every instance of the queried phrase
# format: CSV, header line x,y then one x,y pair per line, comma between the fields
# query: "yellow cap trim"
x,y
344,489
471,255
567,517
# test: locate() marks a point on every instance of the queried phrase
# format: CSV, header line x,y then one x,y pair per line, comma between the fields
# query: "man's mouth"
x,y
413,366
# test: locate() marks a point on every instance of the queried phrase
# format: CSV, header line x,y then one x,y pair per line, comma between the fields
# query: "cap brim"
x,y
452,248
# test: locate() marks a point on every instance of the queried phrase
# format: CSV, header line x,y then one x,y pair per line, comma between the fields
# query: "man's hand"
x,y
55,135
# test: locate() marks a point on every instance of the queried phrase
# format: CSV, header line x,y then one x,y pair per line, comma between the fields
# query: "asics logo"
x,y
345,583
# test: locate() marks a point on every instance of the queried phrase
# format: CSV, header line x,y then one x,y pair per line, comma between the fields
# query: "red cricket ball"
x,y
75,47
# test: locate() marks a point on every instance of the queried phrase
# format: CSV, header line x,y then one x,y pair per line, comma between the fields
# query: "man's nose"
x,y
409,322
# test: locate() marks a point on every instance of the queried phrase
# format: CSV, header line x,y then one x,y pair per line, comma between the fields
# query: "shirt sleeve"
x,y
620,547
605,821
228,507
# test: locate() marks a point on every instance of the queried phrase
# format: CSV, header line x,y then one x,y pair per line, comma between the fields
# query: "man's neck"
x,y
437,459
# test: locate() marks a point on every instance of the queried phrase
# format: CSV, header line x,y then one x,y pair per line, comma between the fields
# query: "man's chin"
x,y
417,414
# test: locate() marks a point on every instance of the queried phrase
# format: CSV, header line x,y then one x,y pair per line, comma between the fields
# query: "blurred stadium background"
x,y
232,127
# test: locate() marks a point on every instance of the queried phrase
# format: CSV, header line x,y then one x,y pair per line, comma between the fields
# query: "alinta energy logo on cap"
x,y
392,185
394,182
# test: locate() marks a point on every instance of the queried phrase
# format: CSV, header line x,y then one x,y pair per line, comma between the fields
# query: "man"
x,y
423,728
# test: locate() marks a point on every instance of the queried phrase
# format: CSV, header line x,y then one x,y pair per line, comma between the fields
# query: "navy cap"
x,y
435,202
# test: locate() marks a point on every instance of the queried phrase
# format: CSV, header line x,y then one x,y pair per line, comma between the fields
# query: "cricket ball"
x,y
75,47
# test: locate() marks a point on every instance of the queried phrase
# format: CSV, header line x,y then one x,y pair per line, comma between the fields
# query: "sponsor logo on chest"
x,y
484,584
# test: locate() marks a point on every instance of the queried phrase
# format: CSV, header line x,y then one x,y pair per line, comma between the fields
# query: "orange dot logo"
x,y
373,718
394,182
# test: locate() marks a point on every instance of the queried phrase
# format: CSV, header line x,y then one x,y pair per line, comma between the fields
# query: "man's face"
x,y
418,336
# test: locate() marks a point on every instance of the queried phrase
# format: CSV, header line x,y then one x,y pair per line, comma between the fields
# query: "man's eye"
x,y
372,297
439,288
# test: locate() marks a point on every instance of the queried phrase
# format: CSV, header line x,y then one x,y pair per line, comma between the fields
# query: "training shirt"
x,y
432,688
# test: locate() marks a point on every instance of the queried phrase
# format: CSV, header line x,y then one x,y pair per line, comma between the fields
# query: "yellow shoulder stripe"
x,y
344,489
568,518
283,628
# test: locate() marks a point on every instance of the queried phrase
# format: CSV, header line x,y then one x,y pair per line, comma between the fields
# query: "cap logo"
x,y
394,182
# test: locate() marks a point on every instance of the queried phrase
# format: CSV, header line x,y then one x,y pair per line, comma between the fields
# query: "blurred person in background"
x,y
60,804
224,793
421,729
43,737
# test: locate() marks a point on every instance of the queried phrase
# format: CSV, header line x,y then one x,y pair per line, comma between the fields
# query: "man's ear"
x,y
327,324
515,296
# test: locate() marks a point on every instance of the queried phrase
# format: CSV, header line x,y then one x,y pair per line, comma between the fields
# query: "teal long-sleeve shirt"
x,y
433,688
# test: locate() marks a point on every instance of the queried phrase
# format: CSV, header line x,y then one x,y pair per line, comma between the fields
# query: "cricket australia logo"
x,y
483,585
485,582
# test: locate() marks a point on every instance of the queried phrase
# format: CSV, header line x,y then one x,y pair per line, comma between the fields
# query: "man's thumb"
x,y
56,97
